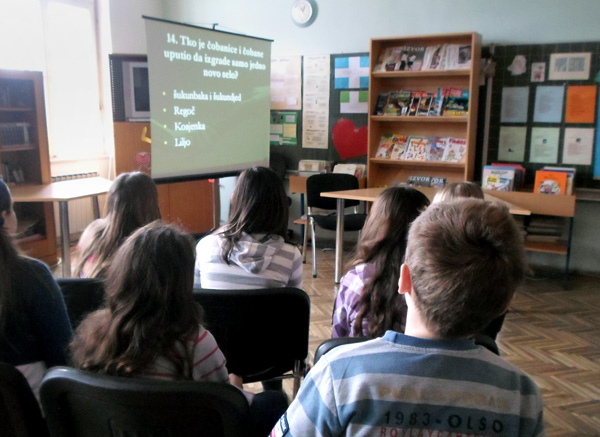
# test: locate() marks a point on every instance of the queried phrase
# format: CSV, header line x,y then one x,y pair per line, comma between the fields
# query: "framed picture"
x,y
569,66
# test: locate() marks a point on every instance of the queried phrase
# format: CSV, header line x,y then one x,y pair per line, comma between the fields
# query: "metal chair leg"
x,y
314,247
304,243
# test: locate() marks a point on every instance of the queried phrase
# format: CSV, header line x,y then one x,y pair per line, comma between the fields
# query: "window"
x,y
59,38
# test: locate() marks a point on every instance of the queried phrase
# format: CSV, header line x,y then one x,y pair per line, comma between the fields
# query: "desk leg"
x,y
63,207
339,240
96,207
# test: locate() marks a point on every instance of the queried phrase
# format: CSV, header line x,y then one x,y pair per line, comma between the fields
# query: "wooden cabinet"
x,y
188,204
25,158
383,171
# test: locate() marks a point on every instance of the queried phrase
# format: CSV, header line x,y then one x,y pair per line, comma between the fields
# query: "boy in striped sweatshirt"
x,y
464,261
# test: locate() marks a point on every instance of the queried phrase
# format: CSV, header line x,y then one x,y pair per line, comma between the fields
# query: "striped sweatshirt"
x,y
207,360
399,385
257,261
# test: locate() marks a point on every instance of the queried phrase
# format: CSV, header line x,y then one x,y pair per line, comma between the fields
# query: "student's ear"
x,y
405,281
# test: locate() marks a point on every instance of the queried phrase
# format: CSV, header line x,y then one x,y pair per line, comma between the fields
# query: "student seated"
x,y
34,326
368,302
132,202
461,190
464,261
152,326
458,190
250,250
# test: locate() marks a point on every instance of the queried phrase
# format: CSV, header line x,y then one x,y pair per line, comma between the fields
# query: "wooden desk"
x,y
369,195
62,192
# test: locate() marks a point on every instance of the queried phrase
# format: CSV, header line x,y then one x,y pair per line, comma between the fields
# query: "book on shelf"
x,y
550,182
398,102
386,144
381,104
416,149
519,178
437,145
400,143
455,150
498,178
457,57
570,171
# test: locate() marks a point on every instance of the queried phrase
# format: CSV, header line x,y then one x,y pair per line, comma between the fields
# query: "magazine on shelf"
x,y
424,104
550,182
415,100
398,103
457,102
437,145
411,58
519,173
389,60
455,150
386,144
497,178
399,148
416,149
432,57
380,105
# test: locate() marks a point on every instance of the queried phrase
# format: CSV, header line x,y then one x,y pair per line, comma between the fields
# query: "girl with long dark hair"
x,y
250,250
132,202
368,302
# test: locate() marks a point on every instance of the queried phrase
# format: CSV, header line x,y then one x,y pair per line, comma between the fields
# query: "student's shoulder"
x,y
32,268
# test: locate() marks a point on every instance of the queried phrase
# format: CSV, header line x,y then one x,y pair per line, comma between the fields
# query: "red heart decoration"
x,y
143,159
349,141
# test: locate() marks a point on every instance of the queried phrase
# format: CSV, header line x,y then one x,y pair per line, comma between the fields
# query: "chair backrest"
x,y
83,404
331,343
20,414
263,333
82,296
316,184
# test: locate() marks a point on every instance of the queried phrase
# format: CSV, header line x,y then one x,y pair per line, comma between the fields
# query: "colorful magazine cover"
x,y
386,144
416,149
455,150
437,145
400,143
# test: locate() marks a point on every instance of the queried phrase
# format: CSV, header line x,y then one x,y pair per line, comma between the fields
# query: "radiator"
x,y
81,211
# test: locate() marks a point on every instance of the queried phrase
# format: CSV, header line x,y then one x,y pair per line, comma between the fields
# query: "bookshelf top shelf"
x,y
421,118
404,162
421,73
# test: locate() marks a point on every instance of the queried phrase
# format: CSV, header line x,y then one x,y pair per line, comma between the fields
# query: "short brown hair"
x,y
458,190
466,259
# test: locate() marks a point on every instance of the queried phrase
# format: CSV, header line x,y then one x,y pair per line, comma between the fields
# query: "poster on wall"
x,y
548,104
581,104
286,83
570,66
577,147
351,72
284,126
512,144
515,101
315,114
354,102
544,145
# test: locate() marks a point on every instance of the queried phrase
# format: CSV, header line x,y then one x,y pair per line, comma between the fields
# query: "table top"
x,y
60,191
370,194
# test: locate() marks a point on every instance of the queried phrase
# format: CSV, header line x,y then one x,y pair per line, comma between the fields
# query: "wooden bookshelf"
x,y
25,157
384,172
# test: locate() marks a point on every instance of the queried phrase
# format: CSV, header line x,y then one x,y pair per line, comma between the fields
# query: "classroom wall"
x,y
344,26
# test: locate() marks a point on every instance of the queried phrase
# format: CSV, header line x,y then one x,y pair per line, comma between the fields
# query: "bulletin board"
x,y
545,109
348,98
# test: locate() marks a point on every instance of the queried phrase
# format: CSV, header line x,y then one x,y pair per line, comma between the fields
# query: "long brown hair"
x,y
382,245
258,205
150,307
8,259
132,202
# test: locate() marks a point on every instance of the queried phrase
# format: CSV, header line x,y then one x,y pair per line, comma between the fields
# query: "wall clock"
x,y
304,12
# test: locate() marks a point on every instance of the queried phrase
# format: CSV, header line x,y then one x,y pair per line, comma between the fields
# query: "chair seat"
x,y
352,222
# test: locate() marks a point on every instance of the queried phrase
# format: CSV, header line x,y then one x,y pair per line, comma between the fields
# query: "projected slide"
x,y
209,100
